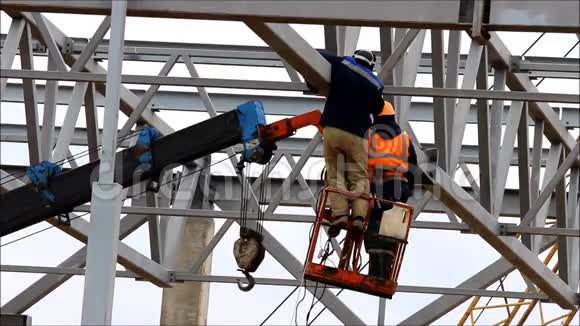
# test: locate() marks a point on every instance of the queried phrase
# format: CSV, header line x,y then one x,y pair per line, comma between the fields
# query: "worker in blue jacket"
x,y
354,95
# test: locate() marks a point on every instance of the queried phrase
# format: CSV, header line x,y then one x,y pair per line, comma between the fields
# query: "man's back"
x,y
355,93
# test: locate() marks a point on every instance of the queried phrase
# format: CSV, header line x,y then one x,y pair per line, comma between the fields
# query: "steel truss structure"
x,y
546,200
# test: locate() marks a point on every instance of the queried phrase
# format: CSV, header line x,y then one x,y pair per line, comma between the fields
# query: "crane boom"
x,y
25,206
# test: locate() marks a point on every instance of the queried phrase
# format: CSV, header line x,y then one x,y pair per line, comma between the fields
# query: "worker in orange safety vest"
x,y
391,155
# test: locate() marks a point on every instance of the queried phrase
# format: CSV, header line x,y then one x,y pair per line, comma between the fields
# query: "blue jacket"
x,y
355,93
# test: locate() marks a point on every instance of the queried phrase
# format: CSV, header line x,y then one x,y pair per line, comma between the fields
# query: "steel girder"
x,y
257,56
292,86
555,130
193,277
540,16
128,100
277,105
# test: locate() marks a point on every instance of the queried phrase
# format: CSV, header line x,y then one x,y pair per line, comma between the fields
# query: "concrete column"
x,y
187,303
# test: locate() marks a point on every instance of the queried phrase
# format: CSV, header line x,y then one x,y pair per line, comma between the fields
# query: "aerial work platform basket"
x,y
348,273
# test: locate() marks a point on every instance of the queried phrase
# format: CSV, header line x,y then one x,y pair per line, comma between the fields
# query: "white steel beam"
x,y
539,219
471,180
471,212
29,86
554,128
48,39
49,113
292,74
442,14
545,16
461,110
552,183
536,153
192,277
87,53
146,99
10,48
398,53
507,147
331,39
386,40
451,82
294,173
497,106
295,50
573,222
483,136
103,242
481,280
127,256
129,100
92,121
465,94
552,177
230,210
70,120
440,114
276,105
524,162
409,69
562,222
347,39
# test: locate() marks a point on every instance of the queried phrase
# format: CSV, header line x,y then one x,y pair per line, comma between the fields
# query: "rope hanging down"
x,y
248,249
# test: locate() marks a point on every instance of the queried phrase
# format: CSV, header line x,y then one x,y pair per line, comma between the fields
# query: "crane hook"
x,y
250,281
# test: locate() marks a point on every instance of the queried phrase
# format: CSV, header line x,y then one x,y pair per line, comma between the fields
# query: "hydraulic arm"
x,y
27,205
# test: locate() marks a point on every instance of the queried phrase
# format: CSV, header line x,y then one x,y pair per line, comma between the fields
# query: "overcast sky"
x,y
433,258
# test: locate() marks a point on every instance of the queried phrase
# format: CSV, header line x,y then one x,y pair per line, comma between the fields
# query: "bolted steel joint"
x,y
67,47
172,277
502,230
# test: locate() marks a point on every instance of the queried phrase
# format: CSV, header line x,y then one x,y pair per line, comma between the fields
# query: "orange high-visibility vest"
x,y
389,155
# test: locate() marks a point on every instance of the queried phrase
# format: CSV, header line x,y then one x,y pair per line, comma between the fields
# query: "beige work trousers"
x,y
346,157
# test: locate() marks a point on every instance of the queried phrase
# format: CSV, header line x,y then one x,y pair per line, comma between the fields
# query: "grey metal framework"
x,y
547,207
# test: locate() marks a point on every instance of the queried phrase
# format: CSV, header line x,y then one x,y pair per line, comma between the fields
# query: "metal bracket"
x,y
173,278
39,48
480,14
515,64
67,47
502,230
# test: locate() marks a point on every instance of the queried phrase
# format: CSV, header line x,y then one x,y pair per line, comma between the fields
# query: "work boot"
x,y
387,265
380,265
339,223
374,264
358,223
